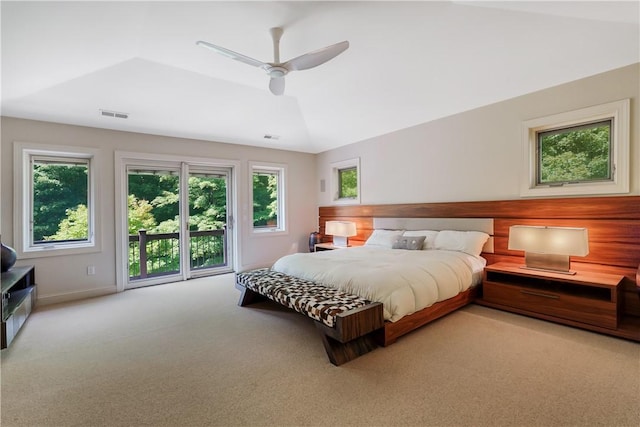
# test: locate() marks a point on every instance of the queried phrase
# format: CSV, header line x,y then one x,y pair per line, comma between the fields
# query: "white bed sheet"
x,y
403,281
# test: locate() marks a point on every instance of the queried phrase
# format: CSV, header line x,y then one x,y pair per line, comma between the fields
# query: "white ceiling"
x,y
408,63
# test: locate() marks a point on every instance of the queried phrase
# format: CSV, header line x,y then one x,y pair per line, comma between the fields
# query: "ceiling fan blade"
x,y
231,54
317,57
276,85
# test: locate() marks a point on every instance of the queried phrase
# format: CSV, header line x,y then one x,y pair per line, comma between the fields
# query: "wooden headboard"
x,y
613,224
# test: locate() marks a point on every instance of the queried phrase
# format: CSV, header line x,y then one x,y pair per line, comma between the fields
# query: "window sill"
x,y
46,252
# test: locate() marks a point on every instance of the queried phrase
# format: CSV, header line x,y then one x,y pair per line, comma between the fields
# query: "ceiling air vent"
x,y
115,114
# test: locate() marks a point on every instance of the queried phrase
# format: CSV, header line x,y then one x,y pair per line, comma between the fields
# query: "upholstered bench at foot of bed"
x,y
346,322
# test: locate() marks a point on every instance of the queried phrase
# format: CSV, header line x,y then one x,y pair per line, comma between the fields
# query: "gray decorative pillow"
x,y
411,243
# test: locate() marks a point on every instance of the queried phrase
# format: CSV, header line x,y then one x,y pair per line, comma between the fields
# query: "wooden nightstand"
x,y
588,300
329,246
326,247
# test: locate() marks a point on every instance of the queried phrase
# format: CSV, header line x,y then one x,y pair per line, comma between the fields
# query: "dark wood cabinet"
x,y
18,299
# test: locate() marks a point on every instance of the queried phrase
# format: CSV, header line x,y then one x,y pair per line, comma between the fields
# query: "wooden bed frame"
x,y
394,330
391,331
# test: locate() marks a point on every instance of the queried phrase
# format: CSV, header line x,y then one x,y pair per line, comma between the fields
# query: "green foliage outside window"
x,y
265,199
58,192
581,153
74,226
348,183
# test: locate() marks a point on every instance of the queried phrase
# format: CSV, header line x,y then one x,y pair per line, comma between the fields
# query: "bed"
x,y
416,279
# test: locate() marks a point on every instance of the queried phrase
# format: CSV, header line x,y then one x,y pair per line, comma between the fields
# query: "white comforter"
x,y
403,281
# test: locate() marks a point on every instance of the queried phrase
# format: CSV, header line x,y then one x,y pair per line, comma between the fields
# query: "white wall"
x,y
63,278
475,155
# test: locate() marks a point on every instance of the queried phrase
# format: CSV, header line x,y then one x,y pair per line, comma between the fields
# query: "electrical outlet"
x,y
91,270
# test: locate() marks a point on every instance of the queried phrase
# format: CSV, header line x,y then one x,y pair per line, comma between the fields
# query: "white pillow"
x,y
470,242
383,238
430,237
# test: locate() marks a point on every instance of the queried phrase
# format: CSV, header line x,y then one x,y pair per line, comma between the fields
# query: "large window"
x,y
57,207
267,195
579,152
345,185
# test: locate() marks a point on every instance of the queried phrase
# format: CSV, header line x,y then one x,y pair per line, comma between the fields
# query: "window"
x,y
267,195
56,194
577,153
346,181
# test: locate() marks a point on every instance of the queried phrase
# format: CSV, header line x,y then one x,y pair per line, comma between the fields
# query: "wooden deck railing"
x,y
152,255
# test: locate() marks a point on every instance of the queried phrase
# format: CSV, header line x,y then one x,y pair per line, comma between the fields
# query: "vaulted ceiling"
x,y
408,63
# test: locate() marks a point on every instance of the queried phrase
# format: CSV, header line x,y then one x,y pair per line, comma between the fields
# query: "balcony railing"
x,y
152,255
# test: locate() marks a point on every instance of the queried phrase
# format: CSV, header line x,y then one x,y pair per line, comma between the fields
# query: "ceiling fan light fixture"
x,y
277,72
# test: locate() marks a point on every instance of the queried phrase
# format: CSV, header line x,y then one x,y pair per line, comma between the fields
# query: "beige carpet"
x,y
185,354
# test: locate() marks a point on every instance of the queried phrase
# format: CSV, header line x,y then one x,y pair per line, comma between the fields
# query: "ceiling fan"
x,y
276,69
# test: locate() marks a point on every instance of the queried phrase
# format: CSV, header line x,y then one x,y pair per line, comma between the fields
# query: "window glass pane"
x,y
575,154
348,183
60,200
265,199
154,222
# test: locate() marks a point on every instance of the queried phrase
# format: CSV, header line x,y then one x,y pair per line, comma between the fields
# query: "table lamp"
x,y
341,231
549,248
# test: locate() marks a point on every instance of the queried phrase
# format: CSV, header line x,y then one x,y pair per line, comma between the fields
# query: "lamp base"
x,y
340,241
547,262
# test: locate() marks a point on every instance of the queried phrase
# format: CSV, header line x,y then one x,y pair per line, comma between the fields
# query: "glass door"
x,y
178,222
153,201
209,222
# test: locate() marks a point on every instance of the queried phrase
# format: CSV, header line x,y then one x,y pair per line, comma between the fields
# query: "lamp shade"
x,y
340,228
549,240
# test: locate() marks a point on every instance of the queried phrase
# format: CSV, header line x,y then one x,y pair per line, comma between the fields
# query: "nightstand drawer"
x,y
592,311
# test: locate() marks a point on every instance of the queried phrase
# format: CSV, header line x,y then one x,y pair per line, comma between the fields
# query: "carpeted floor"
x,y
185,354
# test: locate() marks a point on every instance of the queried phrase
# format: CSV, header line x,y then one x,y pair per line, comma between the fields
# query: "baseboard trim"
x,y
74,296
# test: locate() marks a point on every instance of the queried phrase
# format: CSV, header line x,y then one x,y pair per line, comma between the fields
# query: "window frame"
x,y
336,167
281,171
617,111
23,199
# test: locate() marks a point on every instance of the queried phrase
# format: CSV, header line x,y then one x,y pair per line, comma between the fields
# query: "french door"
x,y
179,221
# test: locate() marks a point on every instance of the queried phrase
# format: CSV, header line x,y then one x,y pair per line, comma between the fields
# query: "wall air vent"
x,y
115,114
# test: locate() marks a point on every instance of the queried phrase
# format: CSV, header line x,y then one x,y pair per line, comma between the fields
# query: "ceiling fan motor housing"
x,y
276,71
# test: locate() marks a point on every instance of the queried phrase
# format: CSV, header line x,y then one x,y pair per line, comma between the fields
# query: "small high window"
x,y
346,181
577,153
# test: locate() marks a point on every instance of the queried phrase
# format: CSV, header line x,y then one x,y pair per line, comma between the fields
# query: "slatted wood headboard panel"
x,y
613,223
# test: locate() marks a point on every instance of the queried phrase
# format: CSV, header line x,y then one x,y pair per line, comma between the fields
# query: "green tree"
x,y
149,186
265,198
575,155
348,183
140,216
56,189
207,203
75,226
